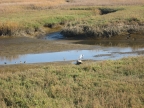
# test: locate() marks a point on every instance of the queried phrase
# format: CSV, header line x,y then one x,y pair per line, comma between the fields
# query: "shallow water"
x,y
54,36
98,52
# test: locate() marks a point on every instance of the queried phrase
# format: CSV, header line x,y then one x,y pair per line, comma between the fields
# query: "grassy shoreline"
x,y
105,84
96,21
108,22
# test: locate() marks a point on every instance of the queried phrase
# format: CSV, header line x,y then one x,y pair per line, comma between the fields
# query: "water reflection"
x,y
113,43
54,36
102,50
97,53
9,58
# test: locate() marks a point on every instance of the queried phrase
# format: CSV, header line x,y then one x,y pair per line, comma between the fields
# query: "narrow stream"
x,y
97,53
54,36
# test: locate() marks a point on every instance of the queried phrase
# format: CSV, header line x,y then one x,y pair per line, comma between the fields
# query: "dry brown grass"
x,y
106,2
30,1
8,28
9,6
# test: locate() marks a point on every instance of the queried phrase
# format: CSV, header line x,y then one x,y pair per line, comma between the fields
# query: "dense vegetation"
x,y
105,84
107,22
118,84
23,17
32,17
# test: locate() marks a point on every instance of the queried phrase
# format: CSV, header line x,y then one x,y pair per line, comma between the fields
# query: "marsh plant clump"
x,y
105,10
108,31
105,84
107,22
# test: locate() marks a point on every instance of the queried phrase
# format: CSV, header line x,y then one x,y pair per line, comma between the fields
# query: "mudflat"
x,y
26,45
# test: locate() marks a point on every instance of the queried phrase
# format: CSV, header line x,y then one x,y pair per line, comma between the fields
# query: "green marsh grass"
x,y
104,84
34,15
38,19
118,20
31,16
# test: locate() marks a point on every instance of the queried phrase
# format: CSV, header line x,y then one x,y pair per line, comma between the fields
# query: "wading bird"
x,y
81,56
79,61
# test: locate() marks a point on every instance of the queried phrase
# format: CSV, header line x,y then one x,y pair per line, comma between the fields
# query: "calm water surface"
x,y
97,53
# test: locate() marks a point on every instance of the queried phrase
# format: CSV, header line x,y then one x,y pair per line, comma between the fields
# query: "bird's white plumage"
x,y
81,56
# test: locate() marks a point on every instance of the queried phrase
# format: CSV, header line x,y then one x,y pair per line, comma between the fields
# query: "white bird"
x,y
79,61
81,56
